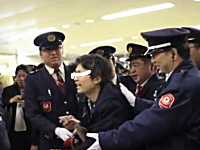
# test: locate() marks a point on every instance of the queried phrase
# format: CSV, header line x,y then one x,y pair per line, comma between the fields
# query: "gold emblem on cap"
x,y
100,52
51,38
130,50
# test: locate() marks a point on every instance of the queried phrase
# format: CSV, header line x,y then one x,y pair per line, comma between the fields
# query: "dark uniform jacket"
x,y
10,114
110,111
4,140
149,90
45,102
170,123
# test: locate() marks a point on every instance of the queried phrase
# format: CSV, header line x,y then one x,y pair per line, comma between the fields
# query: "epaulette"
x,y
34,72
183,70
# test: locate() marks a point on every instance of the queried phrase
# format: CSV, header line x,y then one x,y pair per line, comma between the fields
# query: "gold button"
x,y
65,102
67,112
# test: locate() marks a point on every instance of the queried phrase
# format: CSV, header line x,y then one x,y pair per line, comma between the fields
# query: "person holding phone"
x,y
18,126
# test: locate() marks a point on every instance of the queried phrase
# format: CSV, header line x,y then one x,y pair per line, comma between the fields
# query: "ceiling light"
x,y
73,46
3,66
102,42
6,56
134,37
89,21
31,53
65,26
197,0
138,11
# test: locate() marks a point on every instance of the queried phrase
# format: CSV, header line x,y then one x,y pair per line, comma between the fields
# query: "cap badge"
x,y
51,38
100,52
130,50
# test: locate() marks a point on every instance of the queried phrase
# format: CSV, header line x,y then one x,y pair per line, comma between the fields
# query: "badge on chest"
x,y
46,106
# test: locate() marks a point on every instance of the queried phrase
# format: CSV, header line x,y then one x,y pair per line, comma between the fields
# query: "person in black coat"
x,y
18,126
103,107
4,140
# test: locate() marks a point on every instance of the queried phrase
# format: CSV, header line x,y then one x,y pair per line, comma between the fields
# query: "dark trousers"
x,y
20,140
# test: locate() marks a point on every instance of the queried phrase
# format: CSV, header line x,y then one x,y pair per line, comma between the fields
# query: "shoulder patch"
x,y
166,101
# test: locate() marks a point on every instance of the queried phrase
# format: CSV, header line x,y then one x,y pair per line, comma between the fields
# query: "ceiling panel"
x,y
22,20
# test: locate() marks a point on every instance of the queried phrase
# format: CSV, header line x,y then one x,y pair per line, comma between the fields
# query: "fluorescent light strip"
x,y
89,21
7,56
102,42
138,11
65,26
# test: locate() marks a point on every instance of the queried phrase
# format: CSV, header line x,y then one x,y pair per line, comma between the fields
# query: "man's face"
x,y
140,70
195,54
20,78
163,61
52,58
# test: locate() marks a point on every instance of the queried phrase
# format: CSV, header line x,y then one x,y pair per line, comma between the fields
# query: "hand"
x,y
16,99
33,147
69,122
96,145
129,96
21,103
63,133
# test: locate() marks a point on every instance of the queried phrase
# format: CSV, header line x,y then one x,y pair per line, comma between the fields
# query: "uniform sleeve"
x,y
33,110
1,107
4,140
151,125
142,104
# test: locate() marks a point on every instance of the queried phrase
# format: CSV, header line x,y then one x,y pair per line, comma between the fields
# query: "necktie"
x,y
60,80
138,90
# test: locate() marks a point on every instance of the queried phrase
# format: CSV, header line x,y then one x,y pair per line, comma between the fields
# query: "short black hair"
x,y
183,51
24,68
99,66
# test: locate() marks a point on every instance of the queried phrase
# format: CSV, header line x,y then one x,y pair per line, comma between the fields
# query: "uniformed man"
x,y
50,92
173,121
194,45
120,69
107,52
141,72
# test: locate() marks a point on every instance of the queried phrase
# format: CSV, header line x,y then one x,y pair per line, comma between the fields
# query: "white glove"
x,y
63,133
129,96
96,145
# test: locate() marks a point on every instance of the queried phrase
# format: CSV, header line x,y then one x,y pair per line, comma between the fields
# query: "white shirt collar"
x,y
168,75
51,70
142,85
